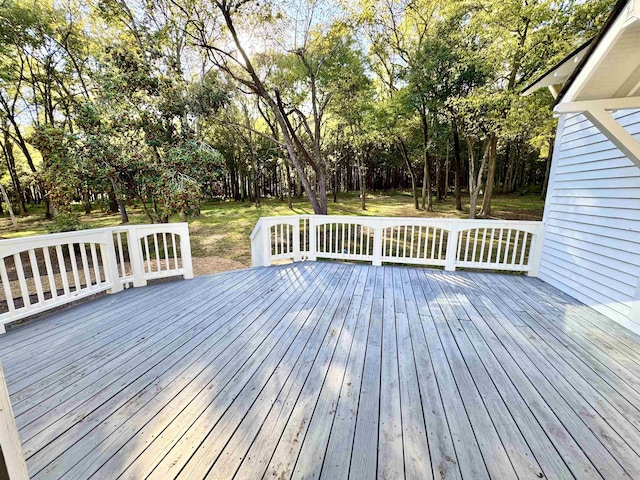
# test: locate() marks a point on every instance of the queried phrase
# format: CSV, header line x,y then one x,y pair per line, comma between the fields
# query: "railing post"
x,y
111,267
185,252
135,257
297,256
535,254
313,235
266,244
452,244
377,244
11,456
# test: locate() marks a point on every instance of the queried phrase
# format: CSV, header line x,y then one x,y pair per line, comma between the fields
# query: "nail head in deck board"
x,y
452,351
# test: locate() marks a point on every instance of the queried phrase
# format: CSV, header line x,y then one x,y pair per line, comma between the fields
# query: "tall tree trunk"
x,y
488,190
124,217
427,195
86,202
7,148
457,166
48,212
507,186
446,173
362,172
113,199
6,200
256,180
336,184
412,173
475,183
289,186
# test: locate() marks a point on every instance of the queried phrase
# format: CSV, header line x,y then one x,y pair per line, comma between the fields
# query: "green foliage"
x,y
154,103
66,222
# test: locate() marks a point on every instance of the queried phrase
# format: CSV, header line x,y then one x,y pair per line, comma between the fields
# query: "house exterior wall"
x,y
591,249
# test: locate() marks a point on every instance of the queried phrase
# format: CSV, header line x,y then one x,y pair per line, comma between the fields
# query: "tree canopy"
x,y
162,104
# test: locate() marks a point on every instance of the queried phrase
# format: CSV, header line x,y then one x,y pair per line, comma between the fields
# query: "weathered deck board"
x,y
327,370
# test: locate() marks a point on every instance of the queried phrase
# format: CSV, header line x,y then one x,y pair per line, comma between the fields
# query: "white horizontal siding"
x,y
591,249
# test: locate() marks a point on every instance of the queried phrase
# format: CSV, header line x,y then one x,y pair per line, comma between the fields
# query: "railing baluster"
x,y
441,232
466,248
35,271
490,253
426,242
413,231
96,266
304,235
324,237
515,248
384,242
506,247
499,247
123,270
63,269
166,251
157,252
74,267
8,295
404,243
368,240
289,246
50,276
24,291
475,246
484,237
146,251
433,244
525,238
85,264
175,251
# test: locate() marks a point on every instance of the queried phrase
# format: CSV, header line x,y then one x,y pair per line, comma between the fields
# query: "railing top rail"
x,y
366,218
13,246
55,238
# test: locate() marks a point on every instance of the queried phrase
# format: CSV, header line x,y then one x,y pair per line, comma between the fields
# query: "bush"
x,y
66,222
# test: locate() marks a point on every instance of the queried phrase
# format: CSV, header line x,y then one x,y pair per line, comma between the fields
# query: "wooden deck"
x,y
328,370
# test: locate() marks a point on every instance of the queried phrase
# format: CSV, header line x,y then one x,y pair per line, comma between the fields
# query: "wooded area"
x,y
163,104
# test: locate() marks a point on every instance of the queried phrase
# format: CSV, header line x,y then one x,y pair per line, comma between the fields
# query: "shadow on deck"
x,y
328,370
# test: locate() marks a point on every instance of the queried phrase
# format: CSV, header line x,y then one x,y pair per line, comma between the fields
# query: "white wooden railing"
x,y
45,271
450,243
12,464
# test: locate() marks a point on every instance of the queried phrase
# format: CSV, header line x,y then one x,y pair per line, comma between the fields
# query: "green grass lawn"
x,y
223,228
